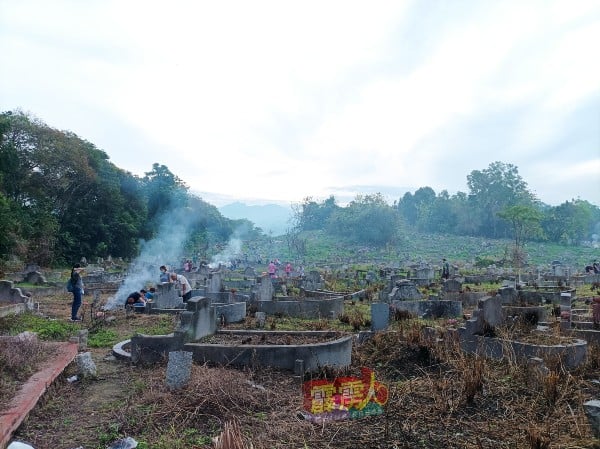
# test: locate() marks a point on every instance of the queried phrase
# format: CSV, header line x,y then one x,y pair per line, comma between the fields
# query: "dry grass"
x,y
20,357
439,397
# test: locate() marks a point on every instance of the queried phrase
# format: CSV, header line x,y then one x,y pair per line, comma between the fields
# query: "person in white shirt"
x,y
183,283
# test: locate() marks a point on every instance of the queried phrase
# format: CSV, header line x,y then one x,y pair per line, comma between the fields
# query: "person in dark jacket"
x,y
135,299
77,283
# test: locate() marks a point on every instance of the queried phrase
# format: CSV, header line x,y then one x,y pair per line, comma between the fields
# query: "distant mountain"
x,y
271,218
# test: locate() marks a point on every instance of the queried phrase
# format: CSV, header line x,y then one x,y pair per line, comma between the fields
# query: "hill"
x,y
271,218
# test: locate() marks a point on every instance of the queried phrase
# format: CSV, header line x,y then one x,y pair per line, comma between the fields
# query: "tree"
x,y
524,220
492,190
311,215
367,219
571,222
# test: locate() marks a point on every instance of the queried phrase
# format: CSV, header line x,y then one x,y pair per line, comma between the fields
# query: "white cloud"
x,y
285,100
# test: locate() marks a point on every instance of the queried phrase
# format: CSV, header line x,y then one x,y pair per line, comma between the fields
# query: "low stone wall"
x,y
297,358
10,296
430,308
534,314
12,309
149,349
571,355
329,308
590,335
230,313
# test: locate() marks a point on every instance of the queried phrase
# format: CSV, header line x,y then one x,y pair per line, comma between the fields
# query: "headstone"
x,y
565,310
265,289
313,281
261,318
592,410
179,368
35,278
405,290
452,286
85,364
215,282
509,295
380,316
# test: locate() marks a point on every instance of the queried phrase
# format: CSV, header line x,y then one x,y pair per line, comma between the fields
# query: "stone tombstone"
x,y
452,286
424,272
313,281
380,316
215,282
31,267
250,272
565,310
166,297
592,410
85,364
35,278
405,291
491,310
265,289
508,295
179,368
261,318
486,316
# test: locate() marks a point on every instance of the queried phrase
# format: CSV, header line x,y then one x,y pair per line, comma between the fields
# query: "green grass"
x,y
164,325
102,338
47,329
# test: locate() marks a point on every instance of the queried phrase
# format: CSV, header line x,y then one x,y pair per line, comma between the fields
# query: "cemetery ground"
x,y
439,397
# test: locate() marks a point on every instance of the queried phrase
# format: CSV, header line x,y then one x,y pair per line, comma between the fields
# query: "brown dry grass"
x,y
20,357
440,397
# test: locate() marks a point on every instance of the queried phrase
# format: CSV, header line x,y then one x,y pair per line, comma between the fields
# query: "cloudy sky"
x,y
281,100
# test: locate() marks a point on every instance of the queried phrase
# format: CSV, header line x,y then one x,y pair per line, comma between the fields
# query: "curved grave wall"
x,y
299,358
329,308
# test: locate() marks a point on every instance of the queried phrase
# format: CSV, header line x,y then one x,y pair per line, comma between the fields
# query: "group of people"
x,y
139,299
142,297
273,268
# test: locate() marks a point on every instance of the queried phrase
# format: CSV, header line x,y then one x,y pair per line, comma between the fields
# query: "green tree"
x,y
312,215
492,190
525,223
367,219
570,223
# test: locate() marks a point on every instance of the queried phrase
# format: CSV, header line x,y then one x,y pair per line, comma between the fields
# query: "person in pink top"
x,y
272,269
288,269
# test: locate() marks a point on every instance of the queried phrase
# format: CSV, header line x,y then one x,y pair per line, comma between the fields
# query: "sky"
x,y
277,101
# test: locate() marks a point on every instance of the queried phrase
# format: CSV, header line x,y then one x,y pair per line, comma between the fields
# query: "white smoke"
x,y
231,251
165,248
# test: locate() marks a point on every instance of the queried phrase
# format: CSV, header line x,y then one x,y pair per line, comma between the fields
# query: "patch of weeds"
x,y
189,437
139,385
46,329
102,338
111,434
163,326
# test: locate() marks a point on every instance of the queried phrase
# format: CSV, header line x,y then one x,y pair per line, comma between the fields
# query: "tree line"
x,y
62,199
498,205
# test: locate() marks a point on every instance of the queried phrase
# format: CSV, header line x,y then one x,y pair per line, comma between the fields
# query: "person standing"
x,y
272,269
445,269
181,281
77,283
164,275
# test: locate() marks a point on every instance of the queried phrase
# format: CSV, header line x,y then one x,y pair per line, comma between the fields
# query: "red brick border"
x,y
32,391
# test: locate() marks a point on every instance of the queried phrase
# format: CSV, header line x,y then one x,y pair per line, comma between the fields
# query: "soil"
x,y
439,398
